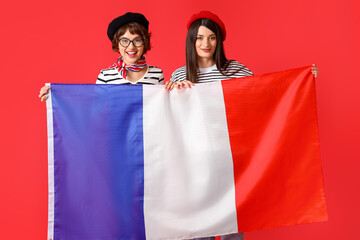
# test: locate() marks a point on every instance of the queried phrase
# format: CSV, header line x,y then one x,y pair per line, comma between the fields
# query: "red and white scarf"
x,y
122,66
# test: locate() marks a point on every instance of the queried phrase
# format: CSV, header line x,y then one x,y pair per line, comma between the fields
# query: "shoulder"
x,y
179,74
153,76
155,70
238,69
108,75
109,71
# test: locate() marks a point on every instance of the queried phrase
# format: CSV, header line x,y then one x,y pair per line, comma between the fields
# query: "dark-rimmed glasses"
x,y
125,42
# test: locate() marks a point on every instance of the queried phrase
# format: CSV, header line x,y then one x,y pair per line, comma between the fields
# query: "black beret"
x,y
126,18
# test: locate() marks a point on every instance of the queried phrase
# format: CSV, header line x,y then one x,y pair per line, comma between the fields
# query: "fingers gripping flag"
x,y
139,162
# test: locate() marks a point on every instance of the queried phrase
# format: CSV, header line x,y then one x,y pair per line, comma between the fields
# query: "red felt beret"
x,y
211,16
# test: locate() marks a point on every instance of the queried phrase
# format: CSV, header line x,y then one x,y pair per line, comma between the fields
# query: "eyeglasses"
x,y
125,42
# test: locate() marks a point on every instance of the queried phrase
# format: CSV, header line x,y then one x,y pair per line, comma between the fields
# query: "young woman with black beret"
x,y
131,39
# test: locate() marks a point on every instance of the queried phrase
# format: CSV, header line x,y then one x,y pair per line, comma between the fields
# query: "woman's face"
x,y
205,44
131,54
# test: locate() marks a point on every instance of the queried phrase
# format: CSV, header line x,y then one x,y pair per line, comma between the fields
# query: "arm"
x,y
100,78
161,78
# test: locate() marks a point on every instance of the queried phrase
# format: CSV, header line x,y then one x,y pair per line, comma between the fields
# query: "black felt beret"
x,y
126,18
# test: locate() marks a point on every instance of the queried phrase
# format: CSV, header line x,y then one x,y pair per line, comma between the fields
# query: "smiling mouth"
x,y
206,50
131,54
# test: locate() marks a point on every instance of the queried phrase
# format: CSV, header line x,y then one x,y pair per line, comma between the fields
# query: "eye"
x,y
137,40
124,40
212,38
199,38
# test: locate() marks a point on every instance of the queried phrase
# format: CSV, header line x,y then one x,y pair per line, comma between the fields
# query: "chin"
x,y
132,60
206,55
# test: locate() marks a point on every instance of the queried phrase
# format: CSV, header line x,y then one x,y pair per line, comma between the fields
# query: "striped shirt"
x,y
153,76
234,70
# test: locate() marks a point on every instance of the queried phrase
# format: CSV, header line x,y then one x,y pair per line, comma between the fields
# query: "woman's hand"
x,y
169,85
43,93
315,70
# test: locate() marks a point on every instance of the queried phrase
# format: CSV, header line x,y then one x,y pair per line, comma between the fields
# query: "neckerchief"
x,y
121,65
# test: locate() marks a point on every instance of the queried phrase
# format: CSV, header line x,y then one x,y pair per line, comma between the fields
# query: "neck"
x,y
205,62
135,76
129,64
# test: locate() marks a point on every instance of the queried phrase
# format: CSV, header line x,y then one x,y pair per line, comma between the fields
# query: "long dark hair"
x,y
219,56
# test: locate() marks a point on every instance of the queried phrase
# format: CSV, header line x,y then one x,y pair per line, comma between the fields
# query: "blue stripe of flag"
x,y
99,176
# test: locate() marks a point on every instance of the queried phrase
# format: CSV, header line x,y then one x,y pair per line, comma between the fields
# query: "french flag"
x,y
132,162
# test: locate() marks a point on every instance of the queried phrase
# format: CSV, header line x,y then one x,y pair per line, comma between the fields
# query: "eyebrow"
x,y
209,35
130,39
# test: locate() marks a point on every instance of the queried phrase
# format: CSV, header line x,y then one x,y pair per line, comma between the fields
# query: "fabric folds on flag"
x,y
139,162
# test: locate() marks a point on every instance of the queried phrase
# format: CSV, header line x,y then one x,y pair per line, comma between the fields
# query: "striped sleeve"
x,y
237,70
179,74
110,76
154,76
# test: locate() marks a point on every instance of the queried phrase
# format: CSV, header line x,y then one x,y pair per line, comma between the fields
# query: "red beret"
x,y
211,16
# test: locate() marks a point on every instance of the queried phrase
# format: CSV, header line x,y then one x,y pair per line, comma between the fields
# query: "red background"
x,y
65,41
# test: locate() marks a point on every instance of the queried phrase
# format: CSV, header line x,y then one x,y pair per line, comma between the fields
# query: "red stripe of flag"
x,y
272,121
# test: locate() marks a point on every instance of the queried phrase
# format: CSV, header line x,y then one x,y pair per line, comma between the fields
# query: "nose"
x,y
131,45
205,42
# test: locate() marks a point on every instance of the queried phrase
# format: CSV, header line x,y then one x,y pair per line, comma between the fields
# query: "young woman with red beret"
x,y
206,62
130,37
205,57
